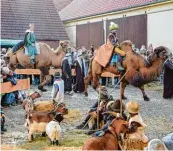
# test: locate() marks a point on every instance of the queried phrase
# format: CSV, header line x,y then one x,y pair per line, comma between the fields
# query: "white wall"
x,y
71,32
160,29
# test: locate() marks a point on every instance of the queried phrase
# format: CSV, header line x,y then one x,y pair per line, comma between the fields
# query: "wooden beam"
x,y
7,87
28,71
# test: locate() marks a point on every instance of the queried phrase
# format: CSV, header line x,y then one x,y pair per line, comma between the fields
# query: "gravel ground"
x,y
157,113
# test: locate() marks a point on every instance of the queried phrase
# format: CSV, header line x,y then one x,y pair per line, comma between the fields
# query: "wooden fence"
x,y
22,84
52,71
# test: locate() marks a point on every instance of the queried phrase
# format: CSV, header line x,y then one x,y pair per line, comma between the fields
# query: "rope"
x,y
119,80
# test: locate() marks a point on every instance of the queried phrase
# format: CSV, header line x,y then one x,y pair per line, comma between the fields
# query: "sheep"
x,y
53,129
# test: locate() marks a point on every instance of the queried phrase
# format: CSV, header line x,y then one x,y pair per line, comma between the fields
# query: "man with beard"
x,y
168,78
80,73
66,73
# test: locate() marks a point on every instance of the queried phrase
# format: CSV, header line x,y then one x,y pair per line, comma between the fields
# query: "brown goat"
x,y
44,106
37,121
110,140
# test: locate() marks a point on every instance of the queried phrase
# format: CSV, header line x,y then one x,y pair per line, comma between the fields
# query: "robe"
x,y
67,75
30,44
80,74
168,79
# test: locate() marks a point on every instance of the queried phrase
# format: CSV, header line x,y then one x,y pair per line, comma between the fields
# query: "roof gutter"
x,y
156,3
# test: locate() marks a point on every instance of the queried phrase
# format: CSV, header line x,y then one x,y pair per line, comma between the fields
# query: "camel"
x,y
47,57
138,72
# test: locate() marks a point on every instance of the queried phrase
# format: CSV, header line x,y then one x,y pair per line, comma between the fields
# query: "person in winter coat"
x,y
66,73
168,78
2,121
58,88
80,73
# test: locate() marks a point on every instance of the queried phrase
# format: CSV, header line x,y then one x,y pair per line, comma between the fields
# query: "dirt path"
x,y
157,114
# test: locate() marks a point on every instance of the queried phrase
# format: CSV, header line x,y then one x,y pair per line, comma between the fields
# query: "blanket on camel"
x,y
104,53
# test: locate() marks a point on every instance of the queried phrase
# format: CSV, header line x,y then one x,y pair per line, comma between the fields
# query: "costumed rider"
x,y
135,139
100,107
30,42
114,41
58,88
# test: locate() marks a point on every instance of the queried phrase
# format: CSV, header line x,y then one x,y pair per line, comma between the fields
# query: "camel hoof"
x,y
86,94
124,98
146,98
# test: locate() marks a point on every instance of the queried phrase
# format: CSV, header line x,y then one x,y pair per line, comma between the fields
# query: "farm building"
x,y
17,14
141,21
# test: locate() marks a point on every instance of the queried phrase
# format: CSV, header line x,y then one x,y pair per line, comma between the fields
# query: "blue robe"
x,y
30,41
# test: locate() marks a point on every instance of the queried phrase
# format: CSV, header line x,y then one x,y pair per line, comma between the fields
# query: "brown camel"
x,y
110,140
139,73
47,57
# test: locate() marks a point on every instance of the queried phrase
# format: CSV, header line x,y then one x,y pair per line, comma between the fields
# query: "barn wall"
x,y
90,33
71,31
160,29
152,11
132,28
52,44
120,14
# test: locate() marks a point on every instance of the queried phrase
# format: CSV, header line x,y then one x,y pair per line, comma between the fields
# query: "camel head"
x,y
64,46
160,52
126,45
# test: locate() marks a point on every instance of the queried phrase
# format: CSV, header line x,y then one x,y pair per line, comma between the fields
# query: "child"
x,y
58,88
135,139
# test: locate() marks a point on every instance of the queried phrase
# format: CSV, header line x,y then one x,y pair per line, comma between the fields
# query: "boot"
x,y
40,87
119,66
32,61
3,129
81,126
57,142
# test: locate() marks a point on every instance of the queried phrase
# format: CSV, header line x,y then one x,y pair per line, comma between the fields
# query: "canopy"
x,y
8,42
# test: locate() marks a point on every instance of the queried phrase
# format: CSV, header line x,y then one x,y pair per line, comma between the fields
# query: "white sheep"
x,y
53,129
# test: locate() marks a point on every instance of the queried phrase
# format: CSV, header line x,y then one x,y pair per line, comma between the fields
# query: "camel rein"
x,y
119,80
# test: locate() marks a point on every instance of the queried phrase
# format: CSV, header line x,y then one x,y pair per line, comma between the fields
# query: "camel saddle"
x,y
104,53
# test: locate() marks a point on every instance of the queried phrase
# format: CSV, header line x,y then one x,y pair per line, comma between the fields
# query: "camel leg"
x,y
86,81
124,84
144,94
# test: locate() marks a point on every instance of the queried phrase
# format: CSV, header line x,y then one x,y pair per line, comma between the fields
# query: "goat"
x,y
53,129
110,140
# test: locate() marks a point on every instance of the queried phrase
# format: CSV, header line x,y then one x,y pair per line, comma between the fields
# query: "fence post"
x,y
28,86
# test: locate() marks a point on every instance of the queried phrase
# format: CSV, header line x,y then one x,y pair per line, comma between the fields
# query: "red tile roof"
x,y
17,14
84,8
60,4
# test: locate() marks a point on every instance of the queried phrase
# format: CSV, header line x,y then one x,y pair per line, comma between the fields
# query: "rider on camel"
x,y
114,41
30,43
